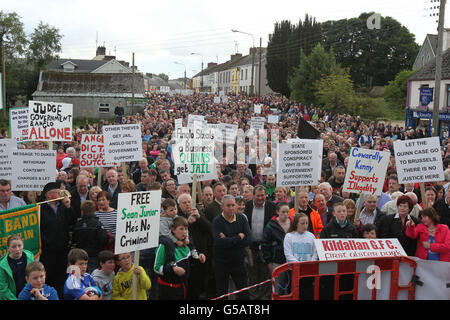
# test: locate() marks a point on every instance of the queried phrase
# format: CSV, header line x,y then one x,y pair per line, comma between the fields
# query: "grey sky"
x,y
161,32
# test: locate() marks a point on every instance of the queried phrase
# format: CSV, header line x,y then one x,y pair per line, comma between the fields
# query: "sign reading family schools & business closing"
x,y
366,171
299,163
418,160
137,225
50,121
341,249
123,143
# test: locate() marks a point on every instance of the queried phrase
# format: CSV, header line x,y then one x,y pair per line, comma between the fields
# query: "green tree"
x,y
396,91
335,92
45,43
317,65
373,56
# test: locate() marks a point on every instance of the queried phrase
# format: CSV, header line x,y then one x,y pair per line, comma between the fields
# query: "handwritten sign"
x,y
418,160
339,249
6,163
137,225
18,124
299,163
32,169
257,123
366,171
50,121
123,143
93,152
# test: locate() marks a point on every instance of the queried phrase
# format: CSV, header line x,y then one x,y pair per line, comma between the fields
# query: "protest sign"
x,y
272,118
22,221
228,132
340,249
123,143
18,124
178,123
216,99
93,152
299,163
193,118
32,169
366,171
418,160
193,153
257,123
137,225
257,108
50,121
6,164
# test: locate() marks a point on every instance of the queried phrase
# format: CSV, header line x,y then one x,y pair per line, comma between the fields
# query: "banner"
x,y
18,124
123,143
137,225
299,163
93,152
418,160
50,121
23,221
33,169
340,249
366,171
6,163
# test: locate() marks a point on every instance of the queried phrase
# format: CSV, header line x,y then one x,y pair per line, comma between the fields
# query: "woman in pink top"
x,y
433,238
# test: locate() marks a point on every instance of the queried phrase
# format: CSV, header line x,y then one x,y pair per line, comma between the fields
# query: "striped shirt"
x,y
108,219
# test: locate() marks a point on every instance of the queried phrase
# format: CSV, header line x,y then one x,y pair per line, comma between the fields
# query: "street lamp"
x,y
253,56
201,74
184,72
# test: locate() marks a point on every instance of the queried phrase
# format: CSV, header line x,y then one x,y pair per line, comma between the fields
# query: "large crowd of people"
x,y
242,225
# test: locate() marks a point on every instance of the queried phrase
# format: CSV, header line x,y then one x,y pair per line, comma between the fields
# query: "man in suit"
x,y
79,194
259,211
330,163
113,187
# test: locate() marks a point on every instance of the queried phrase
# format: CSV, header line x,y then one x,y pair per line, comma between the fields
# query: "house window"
x,y
242,74
246,74
448,95
103,107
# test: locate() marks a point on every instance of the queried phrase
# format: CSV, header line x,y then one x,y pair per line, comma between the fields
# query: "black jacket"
x,y
55,227
90,235
272,244
391,227
334,230
200,231
114,198
270,210
75,201
443,211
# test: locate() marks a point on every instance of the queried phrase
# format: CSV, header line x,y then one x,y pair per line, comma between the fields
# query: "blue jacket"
x,y
47,291
74,288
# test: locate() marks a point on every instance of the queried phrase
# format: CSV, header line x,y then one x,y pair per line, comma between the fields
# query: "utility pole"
x,y
259,75
4,78
438,75
132,89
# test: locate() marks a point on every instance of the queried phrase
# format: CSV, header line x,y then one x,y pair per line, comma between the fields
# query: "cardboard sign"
x,y
299,163
137,225
18,124
93,152
366,171
50,121
257,123
123,143
418,160
272,118
340,249
32,169
6,163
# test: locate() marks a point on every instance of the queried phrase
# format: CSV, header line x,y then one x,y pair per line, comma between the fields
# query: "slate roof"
x,y
427,72
82,65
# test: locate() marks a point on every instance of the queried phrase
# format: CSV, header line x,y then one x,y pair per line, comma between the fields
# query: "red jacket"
x,y
441,237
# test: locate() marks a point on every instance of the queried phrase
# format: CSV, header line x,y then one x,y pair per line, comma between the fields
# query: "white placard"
x,y
272,119
32,169
93,152
257,108
299,163
123,143
216,99
6,163
178,123
137,225
50,121
194,118
229,132
257,123
343,249
366,171
18,124
418,160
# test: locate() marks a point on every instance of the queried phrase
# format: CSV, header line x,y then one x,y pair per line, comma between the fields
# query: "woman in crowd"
x,y
280,195
433,238
259,178
170,189
107,216
431,196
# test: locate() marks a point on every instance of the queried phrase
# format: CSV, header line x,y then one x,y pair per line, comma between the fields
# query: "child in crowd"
x,y
36,289
172,263
369,231
104,276
299,242
12,268
123,281
79,284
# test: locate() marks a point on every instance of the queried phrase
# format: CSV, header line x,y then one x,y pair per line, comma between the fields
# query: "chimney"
x,y
101,51
236,56
211,64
